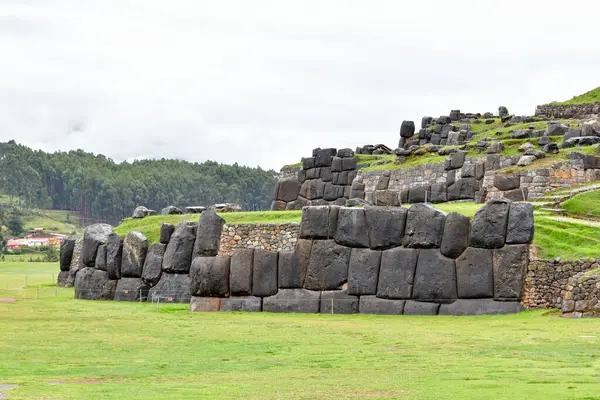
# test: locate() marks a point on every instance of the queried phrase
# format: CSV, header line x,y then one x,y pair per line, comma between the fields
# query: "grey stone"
x,y
288,189
363,271
425,121
93,237
589,161
330,192
205,304
101,257
135,247
328,266
293,301
301,176
385,226
171,210
264,275
519,194
480,307
303,249
418,194
336,164
166,230
424,226
495,148
114,256
383,183
345,153
131,289
324,157
420,308
242,304
438,193
195,209
94,284
208,235
435,277
318,222
468,170
455,238
492,162
290,273
178,254
171,288
455,160
240,279
407,129
140,212
308,162
66,253
397,273
520,224
325,175
510,265
462,189
488,228
338,302
474,273
153,264
313,189
209,276
479,170
375,305
551,148
572,133
348,164
63,279
352,228
526,160
507,181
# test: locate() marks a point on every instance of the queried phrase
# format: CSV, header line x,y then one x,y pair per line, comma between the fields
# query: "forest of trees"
x,y
103,190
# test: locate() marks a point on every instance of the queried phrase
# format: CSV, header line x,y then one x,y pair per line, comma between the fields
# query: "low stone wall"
x,y
567,111
272,237
581,298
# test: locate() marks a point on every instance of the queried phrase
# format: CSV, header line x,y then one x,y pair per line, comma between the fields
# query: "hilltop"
x,y
593,96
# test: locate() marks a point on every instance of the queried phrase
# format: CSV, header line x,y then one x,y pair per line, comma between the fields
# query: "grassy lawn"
x,y
587,204
593,96
52,221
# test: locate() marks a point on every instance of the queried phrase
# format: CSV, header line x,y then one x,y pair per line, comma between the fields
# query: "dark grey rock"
x,y
325,175
178,255
480,307
474,273
551,148
101,257
424,226
435,277
171,210
242,304
455,160
313,189
135,247
385,226
348,164
438,193
589,161
93,284
467,170
507,181
479,170
383,183
363,271
288,189
420,308
544,140
166,230
264,275
375,305
345,153
318,222
114,256
495,148
572,133
328,266
397,273
519,194
463,189
520,224
488,228
209,276
455,238
426,121
93,237
492,162
208,236
352,228
510,265
336,164
240,279
324,157
131,289
301,176
407,129
418,194
153,263
66,253
195,209
293,301
140,212
338,302
330,192
171,288
63,279
290,273
308,162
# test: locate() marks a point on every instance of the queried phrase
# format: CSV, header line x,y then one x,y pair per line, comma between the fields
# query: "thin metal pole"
x,y
332,306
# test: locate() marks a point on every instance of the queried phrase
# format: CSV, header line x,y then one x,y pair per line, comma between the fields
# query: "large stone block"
x,y
420,308
114,256
488,228
419,194
171,288
101,257
328,266
205,304
288,189
507,181
463,189
338,302
131,289
455,160
510,266
178,255
242,304
209,276
313,188
62,279
166,230
352,228
435,277
240,278
324,157
318,222
424,226
66,253
289,271
520,224
375,305
293,301
480,307
348,164
94,284
264,276
407,129
456,235
385,226
474,273
208,236
93,237
438,193
308,163
397,273
363,271
153,263
135,247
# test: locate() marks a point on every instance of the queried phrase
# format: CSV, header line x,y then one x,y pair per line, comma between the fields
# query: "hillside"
x,y
593,96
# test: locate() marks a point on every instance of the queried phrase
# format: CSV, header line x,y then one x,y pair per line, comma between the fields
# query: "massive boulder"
x,y
324,157
288,189
66,253
240,278
264,275
101,257
242,304
171,210
510,265
209,276
131,289
385,226
455,238
520,224
412,307
289,271
418,194
328,266
352,228
507,181
293,301
375,305
455,160
94,284
474,273
208,236
363,271
480,307
171,288
435,277
319,222
338,302
178,254
166,230
140,212
93,237
153,264
114,256
397,273
463,189
407,129
488,228
135,247
424,226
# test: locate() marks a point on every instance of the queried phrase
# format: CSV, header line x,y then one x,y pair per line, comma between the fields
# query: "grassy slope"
x,y
593,96
587,204
52,221
59,348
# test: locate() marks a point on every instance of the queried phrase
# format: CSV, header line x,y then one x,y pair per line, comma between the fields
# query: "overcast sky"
x,y
263,82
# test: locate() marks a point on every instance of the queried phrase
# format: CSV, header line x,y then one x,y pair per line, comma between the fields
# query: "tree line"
x,y
100,189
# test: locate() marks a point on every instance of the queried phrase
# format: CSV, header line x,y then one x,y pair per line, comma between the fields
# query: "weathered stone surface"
x,y
352,228
375,305
345,153
209,276
93,237
242,304
480,307
63,279
153,263
507,181
438,193
66,253
385,226
178,255
407,129
435,277
488,229
166,230
114,256
293,301
290,273
510,265
131,289
474,273
208,236
101,257
195,209
264,276
318,222
424,226
418,194
171,210
455,238
205,304
140,212
308,162
463,189
135,247
240,278
589,161
348,164
313,189
288,189
519,194
455,160
171,288
339,301
363,271
93,284
420,308
328,266
520,224
324,157
397,273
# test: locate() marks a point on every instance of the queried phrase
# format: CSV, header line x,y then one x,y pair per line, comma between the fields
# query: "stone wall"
x,y
581,298
272,237
567,111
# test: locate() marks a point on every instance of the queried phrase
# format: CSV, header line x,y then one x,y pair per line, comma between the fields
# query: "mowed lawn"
x,y
60,348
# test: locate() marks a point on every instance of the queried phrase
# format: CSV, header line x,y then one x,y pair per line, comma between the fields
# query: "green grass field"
x,y
593,96
587,204
60,348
